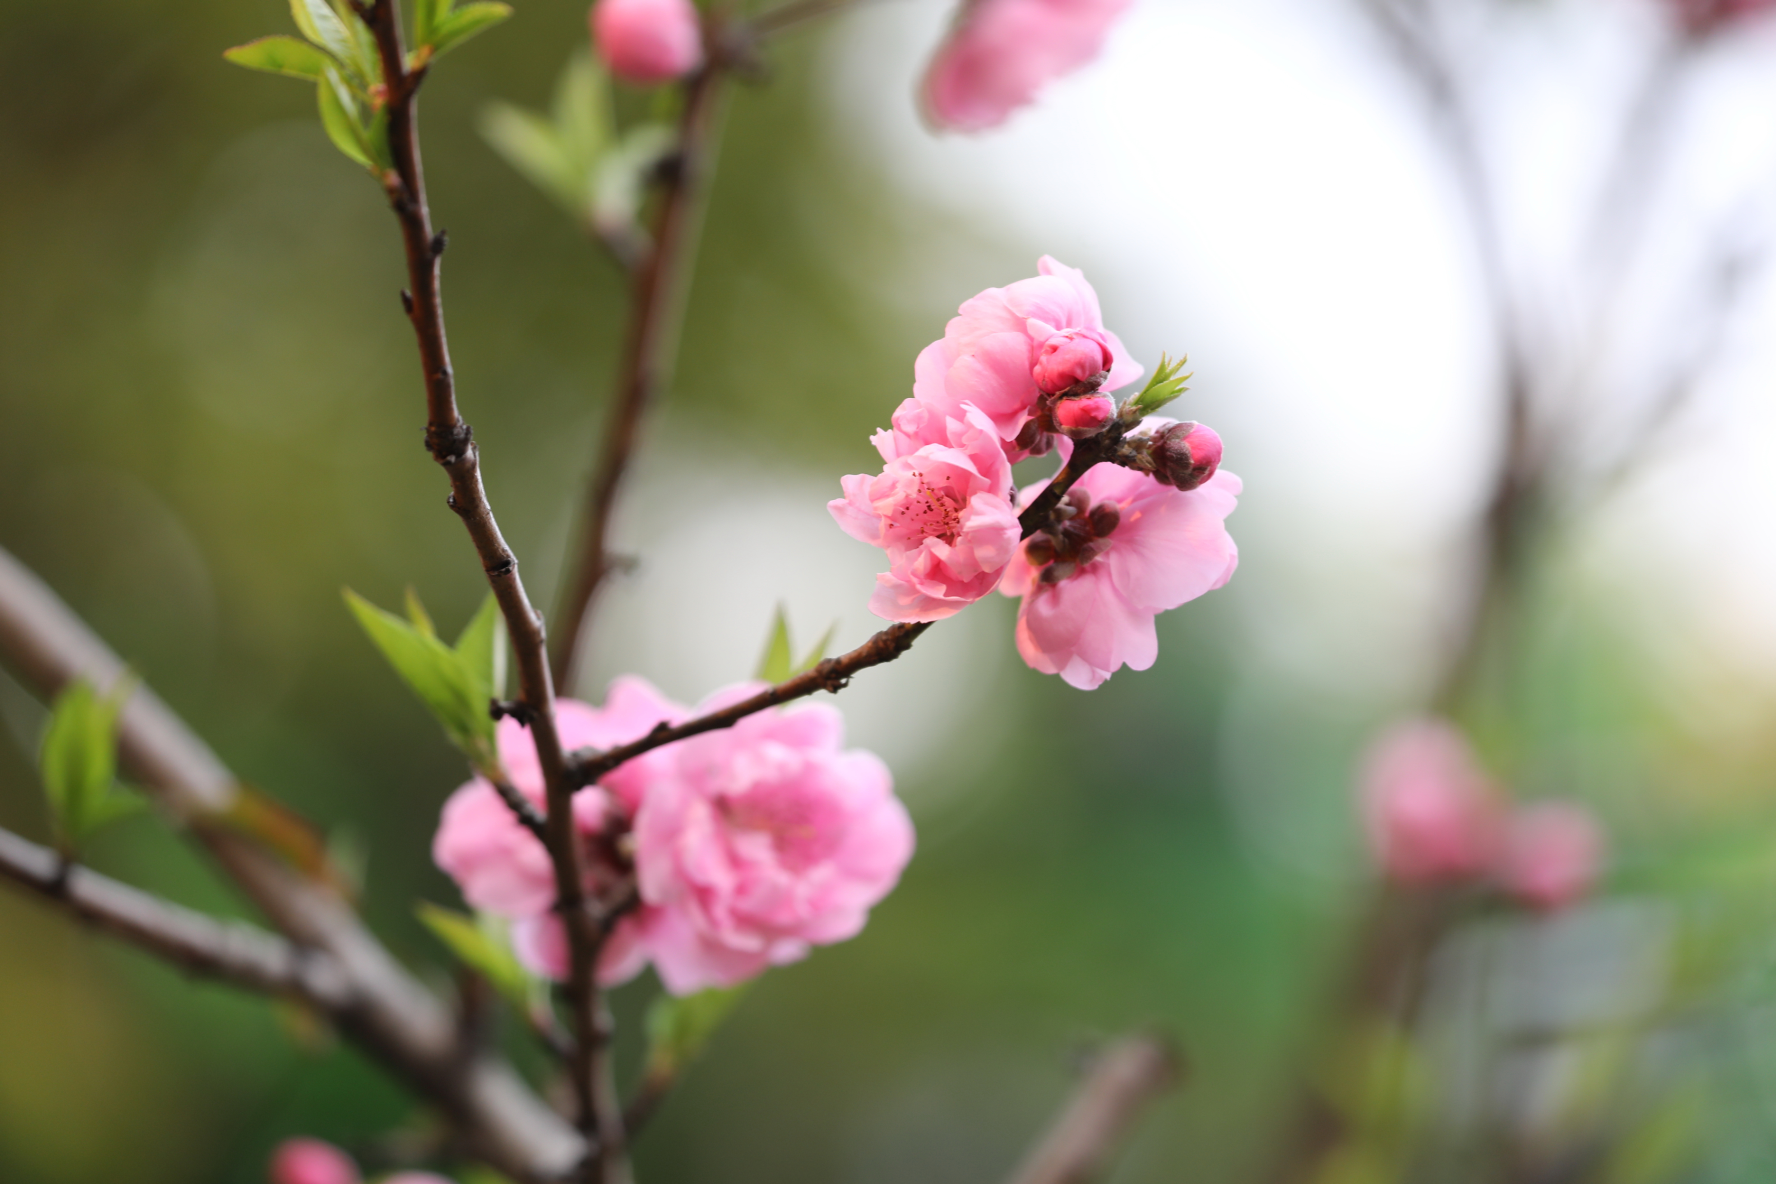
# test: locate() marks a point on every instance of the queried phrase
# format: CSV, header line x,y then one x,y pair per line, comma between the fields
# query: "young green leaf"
x,y
678,1026
530,144
280,55
321,25
78,761
778,661
818,653
482,648
426,15
438,674
339,117
1165,384
583,122
465,22
480,945
416,613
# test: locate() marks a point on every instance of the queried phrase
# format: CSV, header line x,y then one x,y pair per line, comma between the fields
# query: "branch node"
x,y
448,443
517,709
406,302
440,241
503,567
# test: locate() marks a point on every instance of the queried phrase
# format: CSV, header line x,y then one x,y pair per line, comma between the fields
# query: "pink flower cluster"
x,y
999,53
311,1161
751,844
1433,817
1021,369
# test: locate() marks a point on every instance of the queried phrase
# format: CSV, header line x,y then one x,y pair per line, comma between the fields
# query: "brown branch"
x,y
657,301
390,1014
231,951
1121,1082
452,444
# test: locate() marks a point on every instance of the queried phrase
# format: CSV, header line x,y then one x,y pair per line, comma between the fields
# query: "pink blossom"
x,y
1552,854
1071,357
1184,454
991,349
1000,53
310,1161
647,41
941,509
1133,549
1082,415
502,868
1430,810
760,841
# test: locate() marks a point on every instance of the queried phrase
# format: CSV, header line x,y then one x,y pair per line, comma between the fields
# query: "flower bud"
x,y
1039,550
310,1161
1032,440
1185,455
1428,807
1072,358
1551,856
1104,519
1082,415
647,41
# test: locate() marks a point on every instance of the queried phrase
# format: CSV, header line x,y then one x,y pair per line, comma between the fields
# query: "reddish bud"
x,y
645,42
1104,519
1185,455
310,1161
1072,358
1039,550
1082,415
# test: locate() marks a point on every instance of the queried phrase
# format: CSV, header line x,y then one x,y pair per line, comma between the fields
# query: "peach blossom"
x,y
999,53
311,1161
1552,854
1430,811
645,42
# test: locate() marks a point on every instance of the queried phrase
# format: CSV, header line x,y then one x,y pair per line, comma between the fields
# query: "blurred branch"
x,y
1120,1083
232,951
834,674
787,16
657,301
392,1016
452,444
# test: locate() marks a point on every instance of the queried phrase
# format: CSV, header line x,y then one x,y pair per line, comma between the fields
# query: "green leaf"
x,y
281,55
465,22
482,945
321,25
441,676
426,15
530,144
416,613
1165,384
818,653
678,1026
78,761
623,173
482,647
339,117
778,662
584,126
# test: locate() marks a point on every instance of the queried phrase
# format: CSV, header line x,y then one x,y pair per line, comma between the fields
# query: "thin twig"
x,y
452,444
797,12
231,951
393,1017
1121,1082
657,303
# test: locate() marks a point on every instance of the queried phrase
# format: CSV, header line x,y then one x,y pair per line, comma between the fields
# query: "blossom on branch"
x,y
311,1161
1126,548
1008,347
1551,855
646,42
941,509
999,53
1430,811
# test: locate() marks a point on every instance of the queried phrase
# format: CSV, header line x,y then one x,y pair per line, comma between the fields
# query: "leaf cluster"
x,y
778,662
457,683
78,762
575,153
338,53
1163,385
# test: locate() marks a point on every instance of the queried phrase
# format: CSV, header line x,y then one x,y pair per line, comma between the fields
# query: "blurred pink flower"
x,y
1133,549
310,1161
991,350
999,53
1429,809
1552,854
647,41
1699,17
941,509
762,840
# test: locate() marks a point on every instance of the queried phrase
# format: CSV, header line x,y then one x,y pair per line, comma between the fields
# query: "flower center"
x,y
930,513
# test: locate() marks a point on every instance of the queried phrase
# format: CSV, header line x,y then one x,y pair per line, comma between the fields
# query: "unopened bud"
x,y
1078,500
1092,550
310,1161
1553,853
1032,440
648,41
1040,550
1072,358
1104,519
1185,455
1054,573
1080,416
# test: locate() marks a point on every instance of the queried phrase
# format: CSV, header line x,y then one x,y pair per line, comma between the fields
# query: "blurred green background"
x,y
210,421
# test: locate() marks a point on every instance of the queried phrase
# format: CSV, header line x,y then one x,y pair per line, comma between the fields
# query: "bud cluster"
x,y
1078,533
